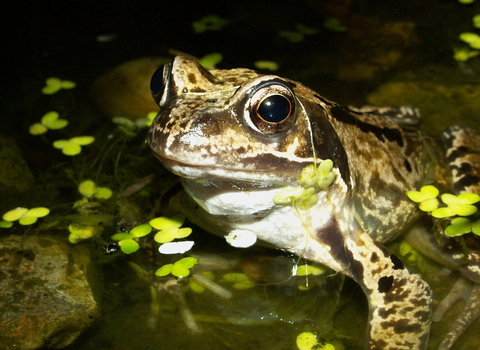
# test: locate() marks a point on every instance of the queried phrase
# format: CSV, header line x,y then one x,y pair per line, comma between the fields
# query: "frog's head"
x,y
236,124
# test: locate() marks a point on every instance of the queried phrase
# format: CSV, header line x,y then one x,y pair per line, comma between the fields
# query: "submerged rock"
x,y
45,298
125,90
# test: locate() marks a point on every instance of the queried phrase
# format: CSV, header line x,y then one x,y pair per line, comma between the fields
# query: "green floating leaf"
x,y
476,21
14,214
211,60
164,236
334,25
463,55
52,85
87,188
209,23
458,227
27,220
187,262
67,84
443,212
82,140
182,267
103,193
122,235
305,30
71,149
5,224
162,222
307,341
164,270
269,65
476,227
141,230
429,205
293,37
472,39
38,212
180,271
37,129
128,246
426,192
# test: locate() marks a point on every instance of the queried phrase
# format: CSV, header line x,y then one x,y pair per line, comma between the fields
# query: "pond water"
x,y
352,52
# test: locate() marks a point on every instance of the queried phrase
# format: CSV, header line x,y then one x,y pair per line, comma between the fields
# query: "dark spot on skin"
x,y
241,150
397,263
457,152
374,258
408,166
377,344
322,99
331,236
328,144
422,316
465,181
392,135
403,326
192,79
384,313
211,100
465,168
385,284
198,90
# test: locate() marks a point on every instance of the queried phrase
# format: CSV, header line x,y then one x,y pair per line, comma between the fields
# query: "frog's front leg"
x,y
399,301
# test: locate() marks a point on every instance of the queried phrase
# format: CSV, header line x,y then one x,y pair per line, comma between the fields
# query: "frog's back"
x,y
386,155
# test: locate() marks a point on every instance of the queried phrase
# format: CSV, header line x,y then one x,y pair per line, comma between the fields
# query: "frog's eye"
x,y
159,85
271,108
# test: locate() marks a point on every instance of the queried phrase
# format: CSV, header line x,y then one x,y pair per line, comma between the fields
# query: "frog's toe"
x,y
470,293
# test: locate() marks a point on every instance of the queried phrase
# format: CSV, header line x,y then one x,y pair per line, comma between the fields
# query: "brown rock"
x,y
45,299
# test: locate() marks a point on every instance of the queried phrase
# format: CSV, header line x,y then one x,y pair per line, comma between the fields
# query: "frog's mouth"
x,y
258,178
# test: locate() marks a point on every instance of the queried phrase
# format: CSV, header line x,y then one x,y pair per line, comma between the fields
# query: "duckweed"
x,y
240,280
180,268
73,147
25,216
269,65
452,206
89,189
209,23
80,232
50,120
169,228
53,85
211,60
313,178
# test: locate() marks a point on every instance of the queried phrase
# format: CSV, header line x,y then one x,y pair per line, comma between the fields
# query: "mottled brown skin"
x,y
208,132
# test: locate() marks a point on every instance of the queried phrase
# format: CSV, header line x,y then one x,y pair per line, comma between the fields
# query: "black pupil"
x,y
274,109
156,84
